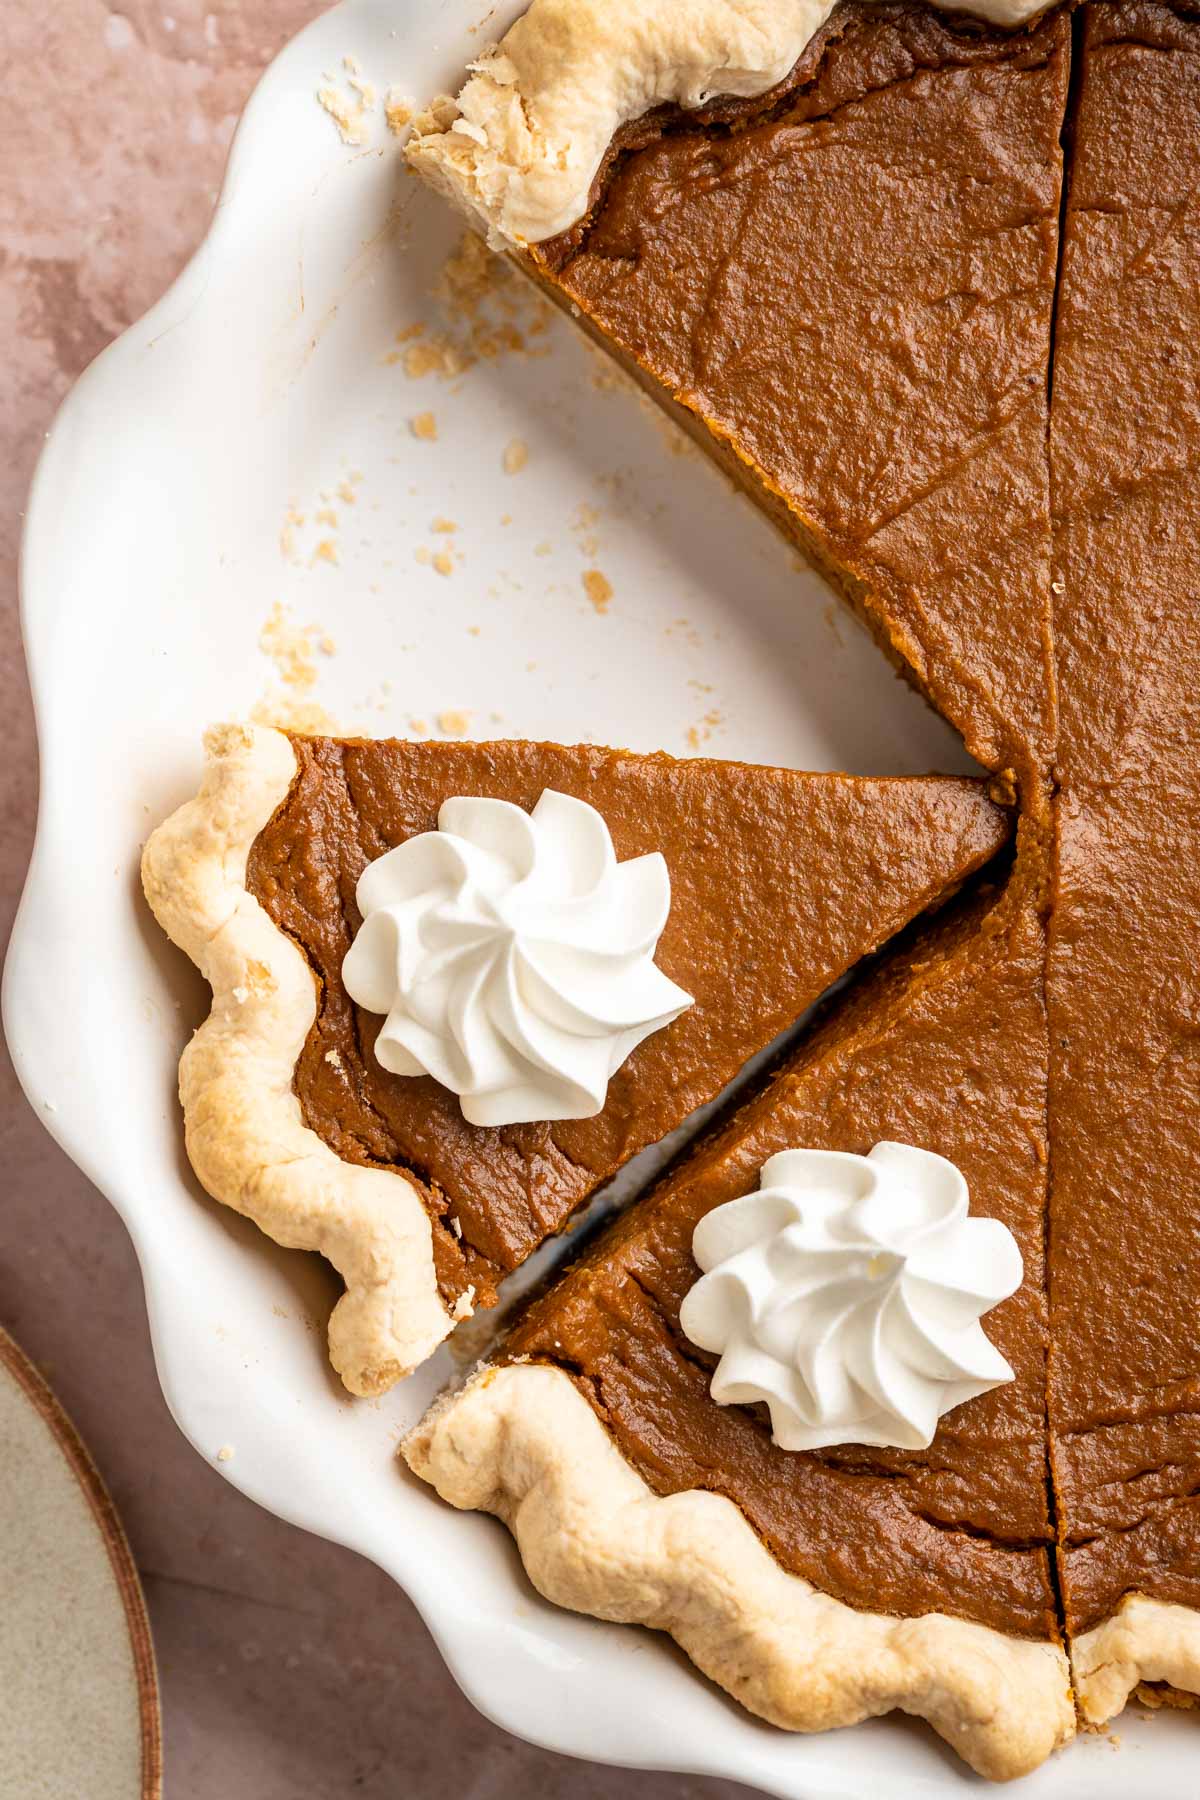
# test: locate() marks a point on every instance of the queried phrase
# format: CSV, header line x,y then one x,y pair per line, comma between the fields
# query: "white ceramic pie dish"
x,y
163,528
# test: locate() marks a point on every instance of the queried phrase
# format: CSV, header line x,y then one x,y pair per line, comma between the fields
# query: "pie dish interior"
x,y
1011,738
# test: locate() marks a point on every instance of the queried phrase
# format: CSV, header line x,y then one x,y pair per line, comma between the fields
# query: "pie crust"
x,y
520,146
522,1442
1145,1640
246,1138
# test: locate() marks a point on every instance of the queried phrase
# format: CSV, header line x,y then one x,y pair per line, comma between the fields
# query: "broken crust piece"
x,y
1145,1640
523,142
246,1137
522,1442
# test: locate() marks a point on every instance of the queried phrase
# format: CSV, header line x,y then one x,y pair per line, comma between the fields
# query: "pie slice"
x,y
1124,984
844,288
780,882
818,1587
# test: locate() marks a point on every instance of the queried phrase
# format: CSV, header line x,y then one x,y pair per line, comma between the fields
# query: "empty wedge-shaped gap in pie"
x,y
780,882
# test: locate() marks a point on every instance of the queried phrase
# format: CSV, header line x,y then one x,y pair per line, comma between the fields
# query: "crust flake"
x,y
245,1133
522,1442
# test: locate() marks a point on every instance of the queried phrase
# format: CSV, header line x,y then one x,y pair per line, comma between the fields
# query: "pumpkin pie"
x,y
779,883
928,290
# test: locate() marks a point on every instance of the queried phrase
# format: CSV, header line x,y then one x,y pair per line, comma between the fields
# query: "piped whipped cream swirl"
x,y
513,957
846,1294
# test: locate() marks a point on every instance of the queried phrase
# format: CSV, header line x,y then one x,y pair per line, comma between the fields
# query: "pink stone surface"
x,y
290,1670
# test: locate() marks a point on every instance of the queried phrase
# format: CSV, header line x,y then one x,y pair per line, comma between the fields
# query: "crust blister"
x,y
523,1443
246,1137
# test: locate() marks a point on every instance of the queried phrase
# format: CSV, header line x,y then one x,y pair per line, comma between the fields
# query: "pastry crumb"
x,y
700,734
424,425
287,533
225,1453
488,312
334,1058
464,1306
515,457
598,588
587,517
443,562
307,718
326,552
454,723
436,355
290,648
444,525
397,110
348,112
469,274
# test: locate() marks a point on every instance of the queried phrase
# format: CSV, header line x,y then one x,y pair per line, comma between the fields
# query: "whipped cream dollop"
x,y
513,956
521,145
846,1294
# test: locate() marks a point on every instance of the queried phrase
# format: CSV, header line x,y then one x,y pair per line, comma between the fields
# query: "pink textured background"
x,y
290,1670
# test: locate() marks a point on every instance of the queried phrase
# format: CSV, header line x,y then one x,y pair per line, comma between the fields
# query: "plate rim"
x,y
37,1390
